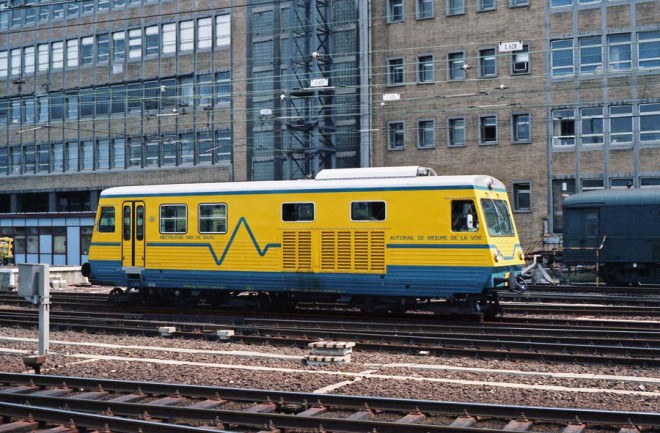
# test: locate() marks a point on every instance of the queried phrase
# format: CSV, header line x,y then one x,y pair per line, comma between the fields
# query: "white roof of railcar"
x,y
353,179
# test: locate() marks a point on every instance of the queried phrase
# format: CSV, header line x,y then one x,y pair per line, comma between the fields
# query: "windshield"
x,y
498,219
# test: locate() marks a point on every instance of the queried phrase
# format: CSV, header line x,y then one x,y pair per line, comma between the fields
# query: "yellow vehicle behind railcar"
x,y
368,237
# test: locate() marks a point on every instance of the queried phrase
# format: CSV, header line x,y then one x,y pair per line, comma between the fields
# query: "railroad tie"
x,y
19,426
521,424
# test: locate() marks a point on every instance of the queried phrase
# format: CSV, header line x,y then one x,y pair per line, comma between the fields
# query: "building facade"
x,y
550,96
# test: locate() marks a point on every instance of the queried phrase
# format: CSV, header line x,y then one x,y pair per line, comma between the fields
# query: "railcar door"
x,y
583,234
133,234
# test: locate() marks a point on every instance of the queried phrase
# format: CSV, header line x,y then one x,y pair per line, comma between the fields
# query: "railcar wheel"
x,y
116,295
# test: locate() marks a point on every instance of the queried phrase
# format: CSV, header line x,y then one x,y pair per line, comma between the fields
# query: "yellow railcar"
x,y
389,238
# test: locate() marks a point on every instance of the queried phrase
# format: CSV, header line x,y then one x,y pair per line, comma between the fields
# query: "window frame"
x,y
561,70
525,50
393,66
515,129
369,211
653,40
557,122
450,65
421,13
297,207
450,10
200,218
450,131
483,58
100,225
515,192
391,140
175,218
394,16
422,133
425,68
482,125
619,65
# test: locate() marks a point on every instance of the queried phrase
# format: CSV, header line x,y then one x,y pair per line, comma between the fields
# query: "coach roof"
x,y
309,185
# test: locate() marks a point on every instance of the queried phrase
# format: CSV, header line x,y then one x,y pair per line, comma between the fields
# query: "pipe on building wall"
x,y
364,20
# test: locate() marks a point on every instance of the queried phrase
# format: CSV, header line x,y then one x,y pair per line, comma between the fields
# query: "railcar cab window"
x,y
498,218
464,216
107,220
297,211
173,218
213,218
368,211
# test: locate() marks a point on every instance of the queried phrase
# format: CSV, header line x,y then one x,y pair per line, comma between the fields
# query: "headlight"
x,y
521,254
498,256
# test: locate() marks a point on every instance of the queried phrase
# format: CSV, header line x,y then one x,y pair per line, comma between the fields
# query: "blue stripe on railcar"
x,y
415,281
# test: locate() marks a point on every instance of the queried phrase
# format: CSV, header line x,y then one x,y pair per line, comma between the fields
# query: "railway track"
x,y
62,404
495,340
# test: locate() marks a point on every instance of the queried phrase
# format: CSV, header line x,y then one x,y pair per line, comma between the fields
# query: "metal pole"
x,y
44,309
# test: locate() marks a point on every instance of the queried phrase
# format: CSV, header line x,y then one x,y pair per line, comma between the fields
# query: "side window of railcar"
x,y
107,220
368,211
464,216
213,218
498,218
297,211
173,218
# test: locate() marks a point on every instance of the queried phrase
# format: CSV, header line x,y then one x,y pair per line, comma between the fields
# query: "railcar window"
x,y
498,218
368,211
127,223
464,216
297,211
139,223
213,218
107,220
173,218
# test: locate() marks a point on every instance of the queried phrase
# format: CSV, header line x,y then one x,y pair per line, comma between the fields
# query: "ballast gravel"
x,y
175,360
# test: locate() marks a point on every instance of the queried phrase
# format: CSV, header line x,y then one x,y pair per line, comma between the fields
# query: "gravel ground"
x,y
385,375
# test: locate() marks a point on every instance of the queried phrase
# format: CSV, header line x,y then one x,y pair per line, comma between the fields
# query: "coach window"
x,y
107,220
464,216
173,218
298,212
368,211
213,218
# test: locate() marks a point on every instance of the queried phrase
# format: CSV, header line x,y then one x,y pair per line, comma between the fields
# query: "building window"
x,y
649,182
520,61
455,7
151,41
620,52
426,133
16,58
57,164
518,3
28,60
204,91
173,218
44,158
649,122
87,50
29,158
521,128
72,54
86,155
4,64
425,69
71,107
223,146
592,125
425,9
135,44
205,146
71,159
223,89
621,124
187,35
648,45
395,136
16,116
592,184
86,102
395,72
522,197
135,152
563,127
118,153
204,33
152,153
56,106
486,5
488,129
591,54
213,218
119,46
394,11
456,66
562,57
169,38
58,55
620,183
222,30
103,48
42,108
103,155
456,132
487,63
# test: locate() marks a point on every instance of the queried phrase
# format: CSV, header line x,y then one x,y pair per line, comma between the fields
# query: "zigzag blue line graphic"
x,y
241,221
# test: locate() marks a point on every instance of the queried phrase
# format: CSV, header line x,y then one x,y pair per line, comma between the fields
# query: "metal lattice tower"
x,y
308,99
